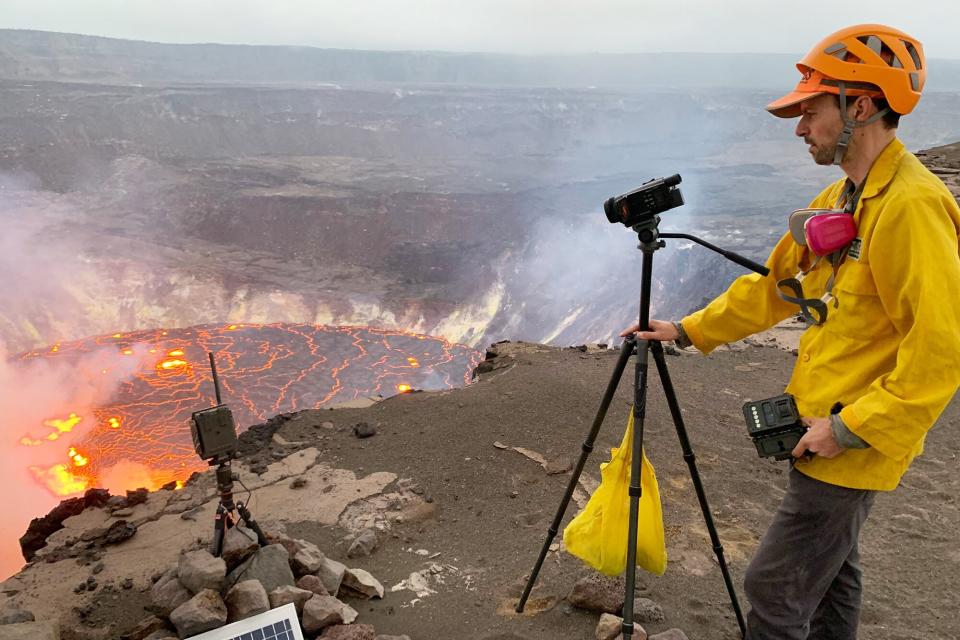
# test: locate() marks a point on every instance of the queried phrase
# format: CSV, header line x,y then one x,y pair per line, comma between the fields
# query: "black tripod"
x,y
650,241
224,518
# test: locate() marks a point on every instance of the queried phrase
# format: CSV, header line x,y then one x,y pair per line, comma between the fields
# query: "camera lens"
x,y
610,209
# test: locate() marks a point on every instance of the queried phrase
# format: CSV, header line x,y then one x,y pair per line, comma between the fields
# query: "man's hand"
x,y
818,439
659,330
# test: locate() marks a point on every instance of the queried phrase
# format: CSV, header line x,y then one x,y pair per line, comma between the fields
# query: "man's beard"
x,y
824,154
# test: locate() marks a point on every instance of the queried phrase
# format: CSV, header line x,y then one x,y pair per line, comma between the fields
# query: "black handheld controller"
x,y
775,426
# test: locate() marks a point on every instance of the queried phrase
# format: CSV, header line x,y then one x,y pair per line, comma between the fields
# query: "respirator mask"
x,y
827,233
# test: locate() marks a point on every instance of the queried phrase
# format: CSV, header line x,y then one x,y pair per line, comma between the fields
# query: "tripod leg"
x,y
636,488
219,530
626,350
248,520
695,476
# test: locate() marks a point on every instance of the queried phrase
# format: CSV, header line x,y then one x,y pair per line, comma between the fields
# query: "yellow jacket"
x,y
891,351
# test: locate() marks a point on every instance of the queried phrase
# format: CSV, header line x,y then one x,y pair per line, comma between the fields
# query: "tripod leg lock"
x,y
587,447
636,492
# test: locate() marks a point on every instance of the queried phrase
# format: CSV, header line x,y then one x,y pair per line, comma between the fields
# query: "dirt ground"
x,y
492,507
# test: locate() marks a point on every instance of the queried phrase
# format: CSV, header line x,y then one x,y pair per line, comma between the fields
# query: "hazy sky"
x,y
515,26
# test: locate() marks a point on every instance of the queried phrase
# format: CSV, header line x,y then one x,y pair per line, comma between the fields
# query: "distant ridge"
x,y
64,57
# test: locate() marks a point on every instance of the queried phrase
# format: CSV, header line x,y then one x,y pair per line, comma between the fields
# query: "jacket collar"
x,y
883,169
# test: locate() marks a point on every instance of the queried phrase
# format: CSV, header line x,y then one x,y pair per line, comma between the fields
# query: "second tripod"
x,y
224,518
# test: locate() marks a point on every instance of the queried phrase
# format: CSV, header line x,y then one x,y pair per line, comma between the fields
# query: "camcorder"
x,y
775,426
640,205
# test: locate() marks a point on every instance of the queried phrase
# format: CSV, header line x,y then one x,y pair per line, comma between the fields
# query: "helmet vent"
x,y
835,48
913,54
915,80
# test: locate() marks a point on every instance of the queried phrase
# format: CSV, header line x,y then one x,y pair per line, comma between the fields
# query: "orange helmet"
x,y
863,58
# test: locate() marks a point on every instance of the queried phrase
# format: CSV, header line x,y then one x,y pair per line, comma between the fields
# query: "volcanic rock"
x,y
199,570
363,583
349,632
363,545
286,594
118,532
203,612
312,584
307,559
40,528
386,637
610,626
147,627
13,615
322,611
239,544
167,593
162,634
45,630
364,430
597,592
269,565
245,599
331,574
646,610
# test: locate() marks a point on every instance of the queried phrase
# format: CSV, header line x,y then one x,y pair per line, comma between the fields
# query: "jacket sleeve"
x,y
749,305
916,268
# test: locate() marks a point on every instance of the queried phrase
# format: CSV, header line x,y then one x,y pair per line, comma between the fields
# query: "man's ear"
x,y
864,107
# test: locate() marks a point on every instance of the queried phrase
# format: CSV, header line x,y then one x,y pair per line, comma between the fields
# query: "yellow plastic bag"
x,y
598,534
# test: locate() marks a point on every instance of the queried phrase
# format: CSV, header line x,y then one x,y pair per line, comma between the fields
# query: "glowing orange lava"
x,y
141,436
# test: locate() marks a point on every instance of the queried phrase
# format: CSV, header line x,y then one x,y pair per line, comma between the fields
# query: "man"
x,y
884,344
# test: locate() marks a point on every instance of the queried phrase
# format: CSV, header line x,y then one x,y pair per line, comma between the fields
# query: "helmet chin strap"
x,y
849,124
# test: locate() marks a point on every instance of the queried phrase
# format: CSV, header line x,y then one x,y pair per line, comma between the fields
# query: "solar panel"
x,y
277,624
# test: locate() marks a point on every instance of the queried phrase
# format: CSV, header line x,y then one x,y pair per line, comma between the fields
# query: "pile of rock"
x,y
203,592
596,592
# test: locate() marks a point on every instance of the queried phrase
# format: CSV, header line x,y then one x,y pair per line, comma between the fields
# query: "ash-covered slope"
x,y
468,480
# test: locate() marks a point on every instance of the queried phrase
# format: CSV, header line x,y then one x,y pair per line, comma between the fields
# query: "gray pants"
x,y
804,581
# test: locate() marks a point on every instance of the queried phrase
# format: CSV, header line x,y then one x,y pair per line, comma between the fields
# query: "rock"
x,y
146,628
126,512
385,637
36,535
558,466
198,570
349,632
167,593
597,592
239,543
245,599
646,610
203,612
45,630
364,430
162,634
307,558
670,634
118,532
609,627
313,584
331,574
322,611
13,615
286,594
269,565
363,545
362,583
